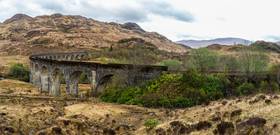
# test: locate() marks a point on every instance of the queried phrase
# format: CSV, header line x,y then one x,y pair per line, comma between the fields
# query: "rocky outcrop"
x,y
18,17
132,26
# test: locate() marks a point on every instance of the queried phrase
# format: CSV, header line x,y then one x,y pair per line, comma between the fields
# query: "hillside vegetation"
x,y
247,73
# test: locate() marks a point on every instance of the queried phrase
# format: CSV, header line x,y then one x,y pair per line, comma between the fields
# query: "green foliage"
x,y
170,90
171,64
266,46
20,72
247,60
246,89
151,123
269,87
252,60
84,79
202,60
123,96
228,63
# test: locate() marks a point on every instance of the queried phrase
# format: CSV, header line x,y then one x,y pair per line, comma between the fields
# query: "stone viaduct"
x,y
49,71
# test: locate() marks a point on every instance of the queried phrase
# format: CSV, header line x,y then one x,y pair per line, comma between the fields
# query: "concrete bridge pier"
x,y
74,83
44,79
67,83
55,83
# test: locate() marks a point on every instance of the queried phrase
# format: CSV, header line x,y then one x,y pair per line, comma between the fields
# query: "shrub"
x,y
126,95
170,90
20,72
246,89
269,87
203,60
151,123
171,64
84,79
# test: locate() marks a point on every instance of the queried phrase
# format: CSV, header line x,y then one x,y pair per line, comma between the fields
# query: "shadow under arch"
x,y
103,83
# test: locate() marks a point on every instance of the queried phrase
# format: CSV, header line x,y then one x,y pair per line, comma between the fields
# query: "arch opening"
x,y
103,83
79,83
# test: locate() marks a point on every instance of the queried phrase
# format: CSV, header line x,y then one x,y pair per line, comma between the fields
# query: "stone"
x,y
224,102
254,125
160,131
108,131
202,125
180,127
236,113
254,121
57,130
224,128
268,101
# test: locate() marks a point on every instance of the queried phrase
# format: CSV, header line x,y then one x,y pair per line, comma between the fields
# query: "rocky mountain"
x,y
221,41
25,35
278,43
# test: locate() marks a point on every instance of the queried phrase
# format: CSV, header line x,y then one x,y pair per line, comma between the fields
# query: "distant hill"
x,y
26,35
278,43
221,41
268,46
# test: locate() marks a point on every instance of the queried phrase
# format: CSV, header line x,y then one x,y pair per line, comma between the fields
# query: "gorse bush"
x,y
20,72
170,90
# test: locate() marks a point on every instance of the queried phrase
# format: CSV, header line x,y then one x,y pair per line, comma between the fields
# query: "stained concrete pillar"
x,y
92,78
36,78
31,73
45,82
67,83
74,88
44,79
74,83
55,83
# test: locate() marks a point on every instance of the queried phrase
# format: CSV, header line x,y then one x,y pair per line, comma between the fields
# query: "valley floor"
x,y
31,113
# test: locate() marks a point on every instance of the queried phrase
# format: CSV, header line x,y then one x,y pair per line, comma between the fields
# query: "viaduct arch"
x,y
47,71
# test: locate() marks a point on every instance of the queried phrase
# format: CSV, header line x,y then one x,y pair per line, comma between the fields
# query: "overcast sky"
x,y
176,19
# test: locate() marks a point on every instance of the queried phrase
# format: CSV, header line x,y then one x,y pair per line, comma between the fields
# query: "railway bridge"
x,y
49,71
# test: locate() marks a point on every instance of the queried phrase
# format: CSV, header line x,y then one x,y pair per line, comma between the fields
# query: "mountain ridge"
x,y
59,32
221,41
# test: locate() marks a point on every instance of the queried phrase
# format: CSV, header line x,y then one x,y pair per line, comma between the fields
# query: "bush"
x,y
170,90
203,60
20,72
151,123
246,89
269,87
122,95
171,64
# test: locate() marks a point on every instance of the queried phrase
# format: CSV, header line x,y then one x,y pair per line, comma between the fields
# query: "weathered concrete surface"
x,y
48,71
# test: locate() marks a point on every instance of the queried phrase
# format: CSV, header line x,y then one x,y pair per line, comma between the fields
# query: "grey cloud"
x,y
52,5
125,13
165,9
